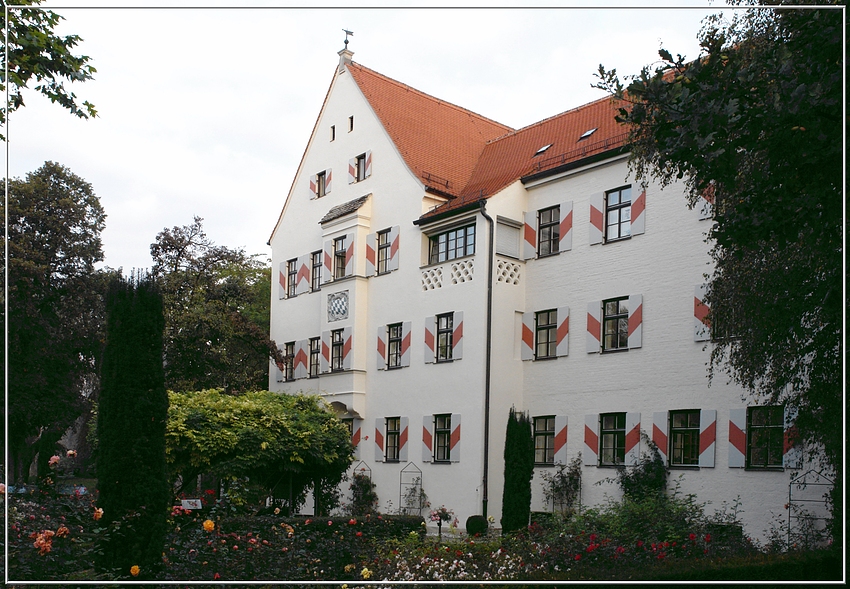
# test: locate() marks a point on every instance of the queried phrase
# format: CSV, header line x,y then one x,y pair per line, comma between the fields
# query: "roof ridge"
x,y
430,96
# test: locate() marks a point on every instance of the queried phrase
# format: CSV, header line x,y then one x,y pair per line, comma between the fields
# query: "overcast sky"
x,y
207,111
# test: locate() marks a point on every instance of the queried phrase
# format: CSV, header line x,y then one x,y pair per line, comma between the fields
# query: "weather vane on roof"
x,y
347,33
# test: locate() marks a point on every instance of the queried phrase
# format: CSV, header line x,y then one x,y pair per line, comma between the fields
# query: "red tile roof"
x,y
465,156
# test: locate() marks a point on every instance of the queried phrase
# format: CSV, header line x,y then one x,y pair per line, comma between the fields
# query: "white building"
x,y
437,268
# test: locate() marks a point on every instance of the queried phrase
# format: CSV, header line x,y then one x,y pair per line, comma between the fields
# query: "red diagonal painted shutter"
x,y
380,424
430,339
325,356
352,170
328,261
302,278
427,438
563,333
356,427
529,235
659,433
281,281
594,327
392,263
454,439
349,254
347,346
632,438
597,218
457,336
402,439
565,231
560,445
302,348
792,453
635,321
328,178
278,368
314,186
527,339
368,171
702,324
638,212
705,203
405,343
371,254
737,438
382,347
707,437
591,439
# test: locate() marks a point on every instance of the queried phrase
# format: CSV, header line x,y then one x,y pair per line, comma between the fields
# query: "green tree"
x,y
519,469
217,304
37,54
133,488
287,444
755,125
55,299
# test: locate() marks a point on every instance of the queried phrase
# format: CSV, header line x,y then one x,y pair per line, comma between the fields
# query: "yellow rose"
x,y
209,525
134,570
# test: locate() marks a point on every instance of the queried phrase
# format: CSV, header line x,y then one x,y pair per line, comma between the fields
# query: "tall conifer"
x,y
132,484
519,469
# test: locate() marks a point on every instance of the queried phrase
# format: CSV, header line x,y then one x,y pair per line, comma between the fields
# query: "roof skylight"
x,y
588,133
541,150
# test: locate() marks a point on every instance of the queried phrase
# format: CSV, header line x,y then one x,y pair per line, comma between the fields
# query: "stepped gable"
x,y
513,156
440,142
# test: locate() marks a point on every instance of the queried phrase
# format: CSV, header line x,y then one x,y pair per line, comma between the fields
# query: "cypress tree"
x,y
133,489
519,469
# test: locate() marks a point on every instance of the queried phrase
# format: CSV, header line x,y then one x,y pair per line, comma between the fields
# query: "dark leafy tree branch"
x,y
754,125
37,55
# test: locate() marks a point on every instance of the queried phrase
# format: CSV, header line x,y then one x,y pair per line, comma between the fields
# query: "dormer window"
x,y
542,150
587,134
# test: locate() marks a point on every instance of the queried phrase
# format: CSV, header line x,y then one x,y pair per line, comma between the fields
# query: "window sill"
x,y
446,361
765,468
544,358
441,462
433,264
607,241
683,466
394,367
549,255
614,351
544,464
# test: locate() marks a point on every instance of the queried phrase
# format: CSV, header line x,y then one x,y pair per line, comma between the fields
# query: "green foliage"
x,y
217,303
648,477
562,487
55,301
364,500
133,490
285,443
37,54
476,525
519,469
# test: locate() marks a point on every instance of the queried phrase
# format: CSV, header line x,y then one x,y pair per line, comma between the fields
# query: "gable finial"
x,y
347,33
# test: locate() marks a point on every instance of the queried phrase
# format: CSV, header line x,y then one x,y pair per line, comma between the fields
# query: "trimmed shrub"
x,y
476,525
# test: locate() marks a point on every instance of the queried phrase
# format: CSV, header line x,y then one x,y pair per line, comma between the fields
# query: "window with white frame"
x,y
315,356
548,230
384,246
612,439
615,324
289,361
618,210
544,440
339,257
337,350
316,271
291,277
684,437
445,328
394,339
442,437
391,439
360,167
546,334
452,244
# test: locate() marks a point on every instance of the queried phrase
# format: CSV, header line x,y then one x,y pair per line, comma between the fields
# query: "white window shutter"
x,y
529,235
371,254
702,325
302,348
591,439
594,327
597,217
457,335
382,347
638,212
347,348
430,339
314,186
632,439
368,171
565,230
281,281
352,170
428,438
454,439
792,452
402,438
707,437
737,438
527,340
328,178
302,278
560,442
705,203
349,254
325,356
380,424
635,321
328,261
659,433
405,343
563,332
392,263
